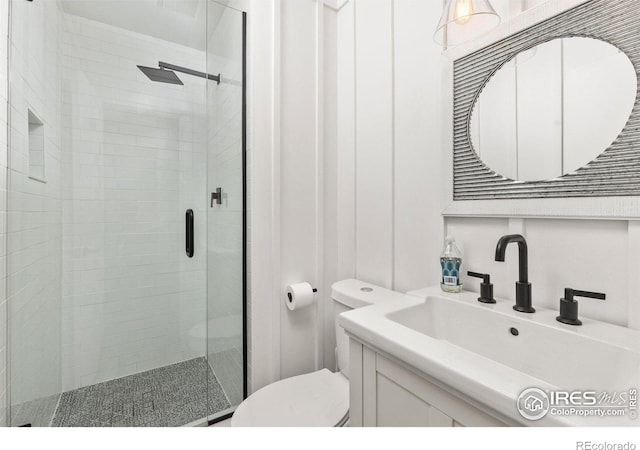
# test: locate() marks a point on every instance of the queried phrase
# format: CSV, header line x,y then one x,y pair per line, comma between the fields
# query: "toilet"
x,y
321,398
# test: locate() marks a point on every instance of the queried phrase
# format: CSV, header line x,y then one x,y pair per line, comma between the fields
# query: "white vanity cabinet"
x,y
386,393
438,359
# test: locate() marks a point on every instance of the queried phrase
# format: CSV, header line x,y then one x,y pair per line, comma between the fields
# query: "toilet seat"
x,y
318,399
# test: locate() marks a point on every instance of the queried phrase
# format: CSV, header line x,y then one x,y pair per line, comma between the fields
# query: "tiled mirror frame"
x,y
615,172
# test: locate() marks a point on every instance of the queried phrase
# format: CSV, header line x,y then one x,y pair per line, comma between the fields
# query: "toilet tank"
x,y
351,294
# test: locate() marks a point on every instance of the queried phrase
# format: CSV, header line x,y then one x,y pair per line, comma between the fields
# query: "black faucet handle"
x,y
486,288
569,307
485,276
570,293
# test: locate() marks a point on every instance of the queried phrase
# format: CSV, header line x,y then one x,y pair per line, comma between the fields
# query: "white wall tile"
x,y
132,157
127,294
34,225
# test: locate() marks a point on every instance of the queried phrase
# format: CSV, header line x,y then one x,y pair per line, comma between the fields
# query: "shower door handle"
x,y
189,232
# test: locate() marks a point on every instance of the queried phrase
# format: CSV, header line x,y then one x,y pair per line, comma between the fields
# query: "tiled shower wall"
x,y
4,21
34,226
134,160
131,159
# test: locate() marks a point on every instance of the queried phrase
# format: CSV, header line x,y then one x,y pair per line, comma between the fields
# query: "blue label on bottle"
x,y
450,271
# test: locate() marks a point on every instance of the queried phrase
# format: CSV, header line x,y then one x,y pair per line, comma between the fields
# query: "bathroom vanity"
x,y
437,359
386,392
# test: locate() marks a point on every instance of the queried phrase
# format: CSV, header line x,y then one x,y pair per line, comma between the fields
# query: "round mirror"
x,y
554,108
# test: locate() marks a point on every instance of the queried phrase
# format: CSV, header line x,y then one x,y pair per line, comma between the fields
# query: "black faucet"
x,y
523,287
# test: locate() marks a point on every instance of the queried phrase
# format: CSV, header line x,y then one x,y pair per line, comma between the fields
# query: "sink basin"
x,y
491,354
564,356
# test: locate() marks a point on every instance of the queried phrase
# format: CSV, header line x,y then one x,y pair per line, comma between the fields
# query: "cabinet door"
x,y
404,398
385,393
397,407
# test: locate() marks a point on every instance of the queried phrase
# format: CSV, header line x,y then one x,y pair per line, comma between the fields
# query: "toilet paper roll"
x,y
299,295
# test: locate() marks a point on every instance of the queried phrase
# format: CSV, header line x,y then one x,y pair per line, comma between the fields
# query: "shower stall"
x,y
126,212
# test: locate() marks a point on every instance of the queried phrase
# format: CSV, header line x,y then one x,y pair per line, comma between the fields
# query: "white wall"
x,y
293,196
299,179
134,160
394,125
372,145
263,89
383,220
4,399
562,253
390,132
330,77
330,188
386,228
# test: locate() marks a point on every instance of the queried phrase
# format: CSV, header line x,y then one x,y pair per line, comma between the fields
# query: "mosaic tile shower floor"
x,y
165,397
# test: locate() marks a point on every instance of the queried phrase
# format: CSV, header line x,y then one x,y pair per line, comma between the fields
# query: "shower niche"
x,y
36,147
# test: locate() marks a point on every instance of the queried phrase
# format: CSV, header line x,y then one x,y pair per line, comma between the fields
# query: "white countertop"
x,y
486,381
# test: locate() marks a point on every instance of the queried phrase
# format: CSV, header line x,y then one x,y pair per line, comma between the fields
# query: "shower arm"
x,y
195,73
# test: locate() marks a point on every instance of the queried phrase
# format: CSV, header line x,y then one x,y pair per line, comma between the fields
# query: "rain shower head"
x,y
160,75
166,73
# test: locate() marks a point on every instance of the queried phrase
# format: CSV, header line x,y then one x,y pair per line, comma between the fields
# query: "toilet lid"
x,y
318,399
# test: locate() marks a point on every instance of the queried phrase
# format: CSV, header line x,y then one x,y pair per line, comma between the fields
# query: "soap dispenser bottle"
x,y
450,262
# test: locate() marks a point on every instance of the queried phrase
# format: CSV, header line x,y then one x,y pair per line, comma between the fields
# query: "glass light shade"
x,y
465,20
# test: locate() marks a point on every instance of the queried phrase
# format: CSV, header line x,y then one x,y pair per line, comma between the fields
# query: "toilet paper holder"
x,y
300,295
291,298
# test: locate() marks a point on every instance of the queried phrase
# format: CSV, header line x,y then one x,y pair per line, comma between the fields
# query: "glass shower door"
x,y
120,130
226,290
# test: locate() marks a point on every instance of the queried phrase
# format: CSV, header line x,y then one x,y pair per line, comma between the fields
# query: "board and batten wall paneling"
x,y
599,255
330,190
346,138
394,121
418,146
588,255
633,275
299,180
374,141
264,197
389,143
287,193
592,255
